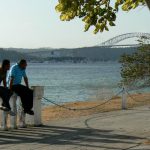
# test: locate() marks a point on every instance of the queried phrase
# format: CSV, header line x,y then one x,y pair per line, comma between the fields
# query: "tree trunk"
x,y
148,3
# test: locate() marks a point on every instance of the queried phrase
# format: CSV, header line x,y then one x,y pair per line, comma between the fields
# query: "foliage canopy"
x,y
98,13
136,67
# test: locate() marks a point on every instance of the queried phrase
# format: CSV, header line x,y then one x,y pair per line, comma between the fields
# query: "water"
x,y
75,82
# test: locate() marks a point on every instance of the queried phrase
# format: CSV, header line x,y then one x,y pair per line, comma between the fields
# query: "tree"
x,y
136,67
148,3
98,13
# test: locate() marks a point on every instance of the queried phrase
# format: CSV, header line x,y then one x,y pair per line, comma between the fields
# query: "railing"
x,y
123,102
21,119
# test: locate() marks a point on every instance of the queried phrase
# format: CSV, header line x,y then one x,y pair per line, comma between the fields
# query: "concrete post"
x,y
124,98
4,116
36,120
13,105
21,114
22,123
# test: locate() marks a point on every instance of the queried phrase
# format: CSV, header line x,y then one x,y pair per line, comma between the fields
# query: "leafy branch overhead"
x,y
98,13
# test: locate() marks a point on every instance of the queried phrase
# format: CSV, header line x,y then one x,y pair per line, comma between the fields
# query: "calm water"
x,y
75,82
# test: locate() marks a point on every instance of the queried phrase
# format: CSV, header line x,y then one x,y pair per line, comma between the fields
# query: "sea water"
x,y
69,82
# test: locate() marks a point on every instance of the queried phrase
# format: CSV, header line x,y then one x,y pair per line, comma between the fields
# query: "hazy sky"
x,y
35,23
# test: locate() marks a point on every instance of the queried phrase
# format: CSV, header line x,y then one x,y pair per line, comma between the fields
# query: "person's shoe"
x,y
30,112
4,108
12,113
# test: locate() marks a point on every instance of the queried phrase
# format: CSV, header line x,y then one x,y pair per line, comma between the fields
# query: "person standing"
x,y
5,93
17,72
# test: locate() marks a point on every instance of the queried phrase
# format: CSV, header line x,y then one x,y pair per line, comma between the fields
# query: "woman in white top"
x,y
5,93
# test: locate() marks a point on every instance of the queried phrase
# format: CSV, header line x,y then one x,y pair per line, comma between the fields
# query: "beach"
x,y
99,106
84,108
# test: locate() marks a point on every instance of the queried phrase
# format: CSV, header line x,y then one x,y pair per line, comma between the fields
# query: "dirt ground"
x,y
55,112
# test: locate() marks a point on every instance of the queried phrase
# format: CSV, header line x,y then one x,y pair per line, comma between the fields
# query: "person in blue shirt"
x,y
5,93
17,72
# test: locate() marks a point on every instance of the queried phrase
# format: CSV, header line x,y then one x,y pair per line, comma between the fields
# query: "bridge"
x,y
111,42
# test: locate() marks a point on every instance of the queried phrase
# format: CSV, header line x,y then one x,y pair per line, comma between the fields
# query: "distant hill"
x,y
89,53
103,53
14,56
28,50
85,53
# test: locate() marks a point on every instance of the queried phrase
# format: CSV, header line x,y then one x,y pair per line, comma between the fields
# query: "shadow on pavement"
x,y
58,135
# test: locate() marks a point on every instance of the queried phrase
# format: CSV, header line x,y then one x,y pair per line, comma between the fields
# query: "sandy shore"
x,y
55,112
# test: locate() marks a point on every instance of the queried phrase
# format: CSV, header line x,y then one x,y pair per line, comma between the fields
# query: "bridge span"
x,y
123,37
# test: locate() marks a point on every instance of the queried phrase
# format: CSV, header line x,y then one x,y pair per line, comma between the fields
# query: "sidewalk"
x,y
118,130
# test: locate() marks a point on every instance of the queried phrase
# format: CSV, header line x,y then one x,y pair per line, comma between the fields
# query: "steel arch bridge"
x,y
122,37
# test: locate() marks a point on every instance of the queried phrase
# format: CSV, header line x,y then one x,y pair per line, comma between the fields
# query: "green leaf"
x,y
111,23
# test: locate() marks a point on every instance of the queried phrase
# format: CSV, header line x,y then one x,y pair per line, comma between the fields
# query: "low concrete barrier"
x,y
21,119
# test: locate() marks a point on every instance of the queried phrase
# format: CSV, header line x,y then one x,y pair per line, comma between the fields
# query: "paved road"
x,y
118,130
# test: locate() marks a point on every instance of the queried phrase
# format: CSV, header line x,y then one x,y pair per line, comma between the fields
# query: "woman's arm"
x,y
4,82
11,83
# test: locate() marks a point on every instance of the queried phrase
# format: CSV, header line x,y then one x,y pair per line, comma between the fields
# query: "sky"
x,y
35,24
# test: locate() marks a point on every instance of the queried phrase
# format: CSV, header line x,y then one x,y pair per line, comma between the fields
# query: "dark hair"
x,y
4,63
22,61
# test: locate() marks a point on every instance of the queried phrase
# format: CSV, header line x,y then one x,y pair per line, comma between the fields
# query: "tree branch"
x,y
148,3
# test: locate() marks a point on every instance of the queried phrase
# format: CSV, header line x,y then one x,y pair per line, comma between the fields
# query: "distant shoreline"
x,y
84,54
